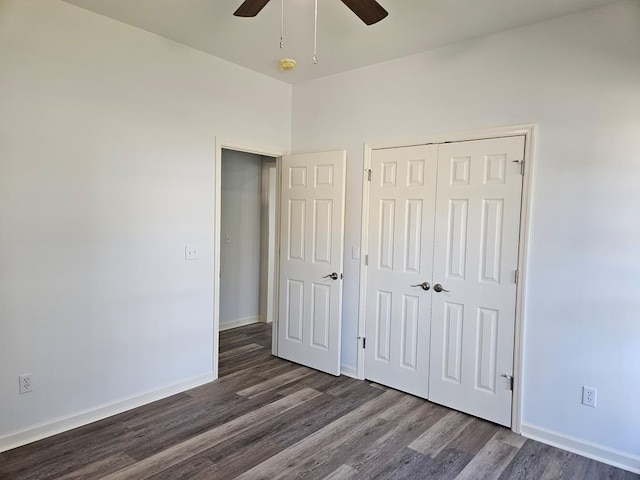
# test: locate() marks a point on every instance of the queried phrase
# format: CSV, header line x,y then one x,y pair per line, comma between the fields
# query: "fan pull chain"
x,y
282,26
315,35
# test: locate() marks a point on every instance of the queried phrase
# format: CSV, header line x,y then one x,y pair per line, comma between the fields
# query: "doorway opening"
x,y
247,239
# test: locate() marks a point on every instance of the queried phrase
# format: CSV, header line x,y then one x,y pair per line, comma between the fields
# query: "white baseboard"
x,y
240,322
348,371
601,453
69,422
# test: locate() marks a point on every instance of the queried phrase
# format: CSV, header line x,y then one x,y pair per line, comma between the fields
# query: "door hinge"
x,y
369,174
366,260
516,276
509,379
521,162
364,342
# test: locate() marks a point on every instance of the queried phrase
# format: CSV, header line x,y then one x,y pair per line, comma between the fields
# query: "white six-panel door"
x,y
476,258
311,249
449,215
401,220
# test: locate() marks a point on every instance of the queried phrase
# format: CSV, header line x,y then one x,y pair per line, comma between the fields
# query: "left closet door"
x,y
398,308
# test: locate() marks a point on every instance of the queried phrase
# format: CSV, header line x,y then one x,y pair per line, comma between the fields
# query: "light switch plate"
x,y
355,253
191,252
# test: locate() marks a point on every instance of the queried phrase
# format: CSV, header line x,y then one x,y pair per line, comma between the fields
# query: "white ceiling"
x,y
344,42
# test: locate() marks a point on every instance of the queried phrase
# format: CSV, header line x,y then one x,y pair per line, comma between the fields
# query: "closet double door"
x,y
444,225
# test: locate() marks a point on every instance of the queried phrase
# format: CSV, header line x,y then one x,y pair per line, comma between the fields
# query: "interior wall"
x,y
240,222
107,145
578,79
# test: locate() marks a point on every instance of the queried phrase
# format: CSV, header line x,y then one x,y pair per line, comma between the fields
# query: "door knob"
x,y
424,285
332,276
438,288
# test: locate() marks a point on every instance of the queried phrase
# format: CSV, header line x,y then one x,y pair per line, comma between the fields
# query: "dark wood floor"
x,y
268,418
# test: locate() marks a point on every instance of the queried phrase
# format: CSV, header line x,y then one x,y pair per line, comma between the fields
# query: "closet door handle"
x,y
423,285
438,288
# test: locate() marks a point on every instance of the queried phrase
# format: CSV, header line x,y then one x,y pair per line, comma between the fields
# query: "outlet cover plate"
x,y
26,383
191,252
589,396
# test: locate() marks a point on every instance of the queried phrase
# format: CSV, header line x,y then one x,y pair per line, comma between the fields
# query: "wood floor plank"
x,y
320,381
341,386
510,438
434,440
410,464
239,351
447,465
232,340
234,367
561,464
474,436
491,460
237,457
193,467
224,387
100,468
405,405
343,472
529,463
274,369
275,382
231,365
173,455
350,388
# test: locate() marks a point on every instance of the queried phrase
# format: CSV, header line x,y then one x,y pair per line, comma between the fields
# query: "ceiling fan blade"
x,y
250,8
369,11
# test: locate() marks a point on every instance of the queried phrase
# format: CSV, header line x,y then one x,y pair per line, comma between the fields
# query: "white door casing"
x,y
401,219
311,248
476,258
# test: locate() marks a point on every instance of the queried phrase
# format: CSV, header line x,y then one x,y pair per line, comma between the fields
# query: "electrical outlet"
x,y
191,252
26,385
589,395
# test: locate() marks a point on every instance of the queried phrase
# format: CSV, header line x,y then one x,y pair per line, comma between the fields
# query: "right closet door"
x,y
477,226
468,314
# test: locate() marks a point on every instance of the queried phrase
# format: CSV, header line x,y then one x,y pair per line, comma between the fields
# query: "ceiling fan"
x,y
369,11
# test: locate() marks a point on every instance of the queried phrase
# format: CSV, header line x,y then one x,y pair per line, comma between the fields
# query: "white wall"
x,y
107,144
578,79
240,219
